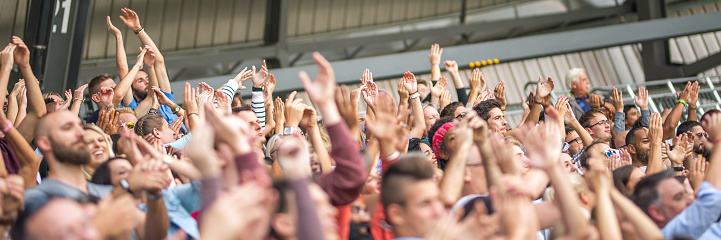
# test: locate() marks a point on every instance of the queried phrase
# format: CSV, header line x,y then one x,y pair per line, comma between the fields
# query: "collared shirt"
x,y
693,221
165,111
583,103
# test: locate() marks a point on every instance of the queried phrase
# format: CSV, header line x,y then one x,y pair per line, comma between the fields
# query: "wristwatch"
x,y
257,89
289,130
415,95
124,183
175,109
152,196
152,110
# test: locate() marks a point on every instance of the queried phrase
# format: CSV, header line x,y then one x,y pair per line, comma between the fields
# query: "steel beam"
x,y
224,54
393,65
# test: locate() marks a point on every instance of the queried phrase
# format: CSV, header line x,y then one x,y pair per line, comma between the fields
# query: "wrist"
x,y
258,86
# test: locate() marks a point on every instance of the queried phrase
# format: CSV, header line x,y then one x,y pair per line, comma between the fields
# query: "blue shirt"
x,y
583,103
181,201
697,217
165,111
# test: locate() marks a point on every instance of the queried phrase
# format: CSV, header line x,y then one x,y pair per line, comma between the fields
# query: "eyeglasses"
x,y
601,122
577,140
461,115
129,125
702,135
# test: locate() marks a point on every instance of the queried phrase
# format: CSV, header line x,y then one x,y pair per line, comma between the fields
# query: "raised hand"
x,y
190,103
655,128
438,88
683,145
78,93
370,94
544,154
435,55
500,93
309,118
141,56
7,56
22,53
279,115
595,101
543,89
477,81
200,150
402,91
294,109
410,83
693,95
713,127
617,99
231,131
269,88
176,125
366,77
321,90
68,99
625,158
294,158
445,99
561,107
236,213
260,76
347,106
111,28
149,58
641,98
243,75
451,66
13,194
697,172
108,121
162,99
223,102
131,19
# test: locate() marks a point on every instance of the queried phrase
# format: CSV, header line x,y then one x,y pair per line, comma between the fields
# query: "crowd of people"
x,y
424,167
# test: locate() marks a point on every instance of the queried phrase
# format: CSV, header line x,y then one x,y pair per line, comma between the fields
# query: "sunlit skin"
x,y
98,147
430,116
674,199
600,131
497,121
421,210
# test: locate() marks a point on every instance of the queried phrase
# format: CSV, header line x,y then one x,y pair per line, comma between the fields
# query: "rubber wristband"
x,y
8,127
391,157
683,102
139,30
716,141
678,169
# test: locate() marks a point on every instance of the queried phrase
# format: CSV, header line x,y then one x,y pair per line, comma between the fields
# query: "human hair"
x,y
409,169
587,153
125,110
147,123
432,131
450,109
645,194
94,85
620,178
627,108
103,172
568,129
484,108
632,135
271,145
573,75
48,94
686,127
242,108
421,82
585,119
414,145
108,141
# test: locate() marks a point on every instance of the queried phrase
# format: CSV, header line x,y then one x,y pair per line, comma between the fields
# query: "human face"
x,y
55,105
640,148
636,175
62,219
252,120
422,208
98,147
66,140
104,100
119,169
326,212
140,85
373,185
574,142
520,156
497,121
449,143
430,116
423,90
126,118
581,86
631,117
568,164
600,128
459,110
429,154
698,141
674,198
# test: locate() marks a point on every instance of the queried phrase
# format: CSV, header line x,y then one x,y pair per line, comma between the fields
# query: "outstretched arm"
x,y
132,20
452,68
35,95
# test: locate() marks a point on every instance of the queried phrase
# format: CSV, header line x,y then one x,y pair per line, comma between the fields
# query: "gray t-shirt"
x,y
37,197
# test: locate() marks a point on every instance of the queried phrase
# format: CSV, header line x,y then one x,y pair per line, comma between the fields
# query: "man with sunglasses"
x,y
699,137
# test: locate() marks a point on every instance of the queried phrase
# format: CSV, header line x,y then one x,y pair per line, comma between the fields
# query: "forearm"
x,y
526,112
22,112
452,181
145,105
309,226
493,172
655,163
573,219
373,151
156,220
606,216
29,162
75,107
12,112
317,141
472,95
121,60
269,120
586,138
645,227
123,86
692,114
535,114
669,125
618,122
36,102
5,79
435,72
258,106
164,82
713,175
419,125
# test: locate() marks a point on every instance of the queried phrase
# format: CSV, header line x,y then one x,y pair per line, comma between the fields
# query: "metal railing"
x,y
662,94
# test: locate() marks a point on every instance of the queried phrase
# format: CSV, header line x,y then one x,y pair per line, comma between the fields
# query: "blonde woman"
x,y
99,147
